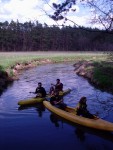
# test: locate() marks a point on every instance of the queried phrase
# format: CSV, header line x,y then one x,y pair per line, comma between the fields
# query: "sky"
x,y
38,10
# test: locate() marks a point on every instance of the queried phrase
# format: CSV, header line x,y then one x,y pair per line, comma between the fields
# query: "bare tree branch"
x,y
103,9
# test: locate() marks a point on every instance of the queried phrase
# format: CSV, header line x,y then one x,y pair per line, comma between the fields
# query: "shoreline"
x,y
89,70
81,68
11,74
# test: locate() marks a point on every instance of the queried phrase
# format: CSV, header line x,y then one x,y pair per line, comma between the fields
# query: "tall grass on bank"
x,y
103,73
8,59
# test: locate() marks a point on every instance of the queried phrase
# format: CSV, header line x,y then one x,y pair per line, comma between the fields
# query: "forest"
x,y
30,36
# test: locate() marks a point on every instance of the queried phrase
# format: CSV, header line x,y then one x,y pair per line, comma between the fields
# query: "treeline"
x,y
28,36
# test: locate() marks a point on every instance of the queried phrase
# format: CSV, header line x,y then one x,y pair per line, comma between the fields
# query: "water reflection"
x,y
54,120
38,107
80,134
18,122
80,131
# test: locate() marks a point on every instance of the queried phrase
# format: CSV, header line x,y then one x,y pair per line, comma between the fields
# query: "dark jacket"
x,y
54,99
41,90
59,87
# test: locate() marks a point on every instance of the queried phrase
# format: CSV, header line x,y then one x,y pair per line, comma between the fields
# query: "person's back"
x,y
40,91
82,109
56,98
52,90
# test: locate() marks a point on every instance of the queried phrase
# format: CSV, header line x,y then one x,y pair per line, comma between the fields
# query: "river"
x,y
35,127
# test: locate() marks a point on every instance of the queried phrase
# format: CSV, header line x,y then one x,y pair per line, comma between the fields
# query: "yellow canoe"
x,y
70,115
33,101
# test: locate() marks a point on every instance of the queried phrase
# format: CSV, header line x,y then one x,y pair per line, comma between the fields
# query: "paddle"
x,y
36,93
32,92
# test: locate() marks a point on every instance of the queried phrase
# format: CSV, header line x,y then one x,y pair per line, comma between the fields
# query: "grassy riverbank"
x,y
103,69
103,74
8,59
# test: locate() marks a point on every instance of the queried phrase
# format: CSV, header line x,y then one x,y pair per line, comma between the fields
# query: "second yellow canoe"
x,y
33,101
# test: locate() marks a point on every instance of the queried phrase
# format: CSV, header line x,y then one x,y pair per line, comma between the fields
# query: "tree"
x,y
102,11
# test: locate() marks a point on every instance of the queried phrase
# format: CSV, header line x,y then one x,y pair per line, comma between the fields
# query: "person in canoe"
x,y
58,86
40,91
57,100
81,109
52,90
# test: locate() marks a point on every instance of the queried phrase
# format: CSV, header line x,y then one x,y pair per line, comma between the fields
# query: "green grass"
x,y
103,69
8,59
103,73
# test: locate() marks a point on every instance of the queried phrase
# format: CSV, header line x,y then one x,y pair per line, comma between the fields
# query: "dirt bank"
x,y
82,68
97,74
85,69
12,73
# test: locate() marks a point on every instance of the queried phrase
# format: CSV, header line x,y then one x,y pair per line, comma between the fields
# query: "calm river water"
x,y
34,128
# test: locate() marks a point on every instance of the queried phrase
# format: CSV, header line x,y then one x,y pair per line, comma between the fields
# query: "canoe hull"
x,y
33,101
71,116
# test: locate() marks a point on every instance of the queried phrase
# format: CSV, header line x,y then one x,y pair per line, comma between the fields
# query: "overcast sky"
x,y
32,10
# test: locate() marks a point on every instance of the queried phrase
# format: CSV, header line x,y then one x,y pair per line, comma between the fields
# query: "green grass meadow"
x,y
8,59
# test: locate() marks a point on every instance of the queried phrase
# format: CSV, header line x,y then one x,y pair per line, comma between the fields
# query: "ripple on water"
x,y
99,102
27,126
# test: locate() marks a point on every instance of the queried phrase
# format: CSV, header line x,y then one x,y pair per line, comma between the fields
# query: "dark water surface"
x,y
34,128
